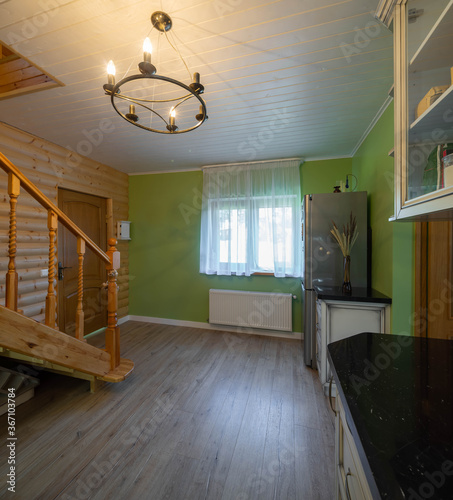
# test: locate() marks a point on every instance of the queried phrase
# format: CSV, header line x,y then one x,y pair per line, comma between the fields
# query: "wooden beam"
x,y
37,80
29,90
19,75
109,218
8,59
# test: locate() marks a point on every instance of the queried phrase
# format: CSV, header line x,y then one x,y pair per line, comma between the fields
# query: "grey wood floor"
x,y
205,415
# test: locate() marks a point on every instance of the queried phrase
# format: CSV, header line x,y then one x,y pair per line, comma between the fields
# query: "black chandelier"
x,y
163,23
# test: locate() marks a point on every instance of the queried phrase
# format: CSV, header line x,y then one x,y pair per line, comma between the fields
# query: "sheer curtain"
x,y
251,219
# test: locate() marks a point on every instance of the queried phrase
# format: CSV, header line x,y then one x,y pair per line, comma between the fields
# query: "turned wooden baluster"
x,y
80,316
11,275
112,333
51,299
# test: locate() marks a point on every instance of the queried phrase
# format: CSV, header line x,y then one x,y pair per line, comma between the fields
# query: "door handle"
x,y
61,269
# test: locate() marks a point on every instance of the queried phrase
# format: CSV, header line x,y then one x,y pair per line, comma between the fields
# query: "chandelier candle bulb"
x,y
172,117
111,73
196,77
147,50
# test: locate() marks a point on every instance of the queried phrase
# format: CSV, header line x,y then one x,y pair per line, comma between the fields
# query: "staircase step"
x,y
121,372
22,335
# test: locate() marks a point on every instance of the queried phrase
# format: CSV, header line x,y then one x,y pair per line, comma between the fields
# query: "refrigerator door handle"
x,y
310,328
308,251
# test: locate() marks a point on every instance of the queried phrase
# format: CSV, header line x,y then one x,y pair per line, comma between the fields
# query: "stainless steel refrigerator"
x,y
323,260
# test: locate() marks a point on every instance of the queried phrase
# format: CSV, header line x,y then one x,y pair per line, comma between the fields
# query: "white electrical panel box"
x,y
123,230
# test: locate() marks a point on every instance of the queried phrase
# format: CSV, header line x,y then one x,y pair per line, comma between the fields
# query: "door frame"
x,y
109,234
422,309
421,279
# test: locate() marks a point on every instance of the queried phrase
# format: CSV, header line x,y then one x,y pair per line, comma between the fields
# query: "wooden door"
x,y
434,280
89,213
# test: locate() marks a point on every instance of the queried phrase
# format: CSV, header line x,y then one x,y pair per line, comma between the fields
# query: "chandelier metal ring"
x,y
161,22
115,93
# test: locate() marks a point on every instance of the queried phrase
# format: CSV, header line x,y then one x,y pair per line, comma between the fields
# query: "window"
x,y
251,219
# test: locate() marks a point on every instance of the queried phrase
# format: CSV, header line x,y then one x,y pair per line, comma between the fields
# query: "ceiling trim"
x,y
301,160
166,171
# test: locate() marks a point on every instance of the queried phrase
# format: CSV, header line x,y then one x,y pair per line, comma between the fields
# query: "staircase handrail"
x,y
42,199
16,179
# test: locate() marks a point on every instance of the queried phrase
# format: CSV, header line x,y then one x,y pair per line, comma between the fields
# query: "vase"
x,y
347,289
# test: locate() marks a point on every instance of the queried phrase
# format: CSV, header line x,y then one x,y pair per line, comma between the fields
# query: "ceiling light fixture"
x,y
163,23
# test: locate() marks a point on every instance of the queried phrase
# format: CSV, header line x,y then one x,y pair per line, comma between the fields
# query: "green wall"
x,y
392,242
321,176
165,210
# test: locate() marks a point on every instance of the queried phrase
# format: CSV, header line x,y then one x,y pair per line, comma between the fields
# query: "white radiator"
x,y
270,311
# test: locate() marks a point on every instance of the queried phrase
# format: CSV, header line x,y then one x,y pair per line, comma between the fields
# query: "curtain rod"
x,y
250,162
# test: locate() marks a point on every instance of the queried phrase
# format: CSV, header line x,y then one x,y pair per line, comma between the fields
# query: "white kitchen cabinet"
x,y
337,319
423,93
350,479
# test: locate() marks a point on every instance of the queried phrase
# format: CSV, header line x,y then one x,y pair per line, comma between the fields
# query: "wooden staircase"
x,y
24,338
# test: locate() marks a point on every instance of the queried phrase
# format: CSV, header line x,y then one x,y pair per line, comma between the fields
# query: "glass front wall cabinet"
x,y
423,32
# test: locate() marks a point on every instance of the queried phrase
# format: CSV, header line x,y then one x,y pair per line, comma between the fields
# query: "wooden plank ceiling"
x,y
19,76
283,78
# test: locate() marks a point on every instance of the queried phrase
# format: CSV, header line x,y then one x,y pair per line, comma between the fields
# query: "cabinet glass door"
x,y
429,165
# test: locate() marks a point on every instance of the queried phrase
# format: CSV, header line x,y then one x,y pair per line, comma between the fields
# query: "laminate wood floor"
x,y
205,415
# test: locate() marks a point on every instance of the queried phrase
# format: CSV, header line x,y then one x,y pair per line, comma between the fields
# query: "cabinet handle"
x,y
347,485
330,395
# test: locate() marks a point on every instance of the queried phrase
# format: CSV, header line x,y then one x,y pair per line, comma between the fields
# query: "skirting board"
x,y
209,326
102,330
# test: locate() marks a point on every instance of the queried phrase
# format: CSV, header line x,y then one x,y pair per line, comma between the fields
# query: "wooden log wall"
x,y
50,167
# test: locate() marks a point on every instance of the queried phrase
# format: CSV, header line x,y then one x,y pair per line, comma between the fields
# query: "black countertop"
x,y
398,397
359,294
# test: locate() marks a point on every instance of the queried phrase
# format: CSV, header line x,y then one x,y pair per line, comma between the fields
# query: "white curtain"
x,y
251,219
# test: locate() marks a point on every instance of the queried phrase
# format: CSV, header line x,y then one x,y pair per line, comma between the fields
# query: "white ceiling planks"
x,y
283,78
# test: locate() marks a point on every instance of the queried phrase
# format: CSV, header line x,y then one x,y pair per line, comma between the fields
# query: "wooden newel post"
x,y
11,275
112,334
51,299
80,316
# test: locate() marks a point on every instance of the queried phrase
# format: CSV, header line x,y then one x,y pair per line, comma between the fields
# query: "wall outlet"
x,y
44,272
